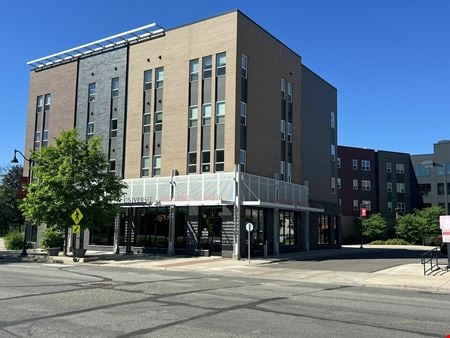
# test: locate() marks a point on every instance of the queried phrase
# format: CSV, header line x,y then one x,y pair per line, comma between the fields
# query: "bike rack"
x,y
432,258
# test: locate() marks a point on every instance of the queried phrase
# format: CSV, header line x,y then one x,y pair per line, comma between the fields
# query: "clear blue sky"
x,y
389,59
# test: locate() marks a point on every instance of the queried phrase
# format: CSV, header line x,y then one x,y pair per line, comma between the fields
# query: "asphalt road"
x,y
43,300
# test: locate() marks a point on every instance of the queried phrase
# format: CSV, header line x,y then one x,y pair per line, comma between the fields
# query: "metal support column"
x,y
236,214
306,224
116,234
276,232
171,248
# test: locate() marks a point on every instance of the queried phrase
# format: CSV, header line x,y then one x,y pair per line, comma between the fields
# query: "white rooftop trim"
x,y
114,41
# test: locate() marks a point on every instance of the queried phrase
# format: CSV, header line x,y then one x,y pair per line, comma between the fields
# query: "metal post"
x,y
171,248
248,246
116,234
446,209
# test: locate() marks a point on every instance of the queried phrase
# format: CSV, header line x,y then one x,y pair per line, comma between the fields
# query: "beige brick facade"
x,y
60,82
173,52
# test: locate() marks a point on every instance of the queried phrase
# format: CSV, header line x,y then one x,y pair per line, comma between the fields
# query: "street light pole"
x,y
30,162
435,164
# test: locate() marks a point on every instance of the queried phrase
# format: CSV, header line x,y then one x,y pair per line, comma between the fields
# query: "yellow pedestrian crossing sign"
x,y
76,229
77,216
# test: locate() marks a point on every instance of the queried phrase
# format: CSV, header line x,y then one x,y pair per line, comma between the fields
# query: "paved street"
x,y
49,300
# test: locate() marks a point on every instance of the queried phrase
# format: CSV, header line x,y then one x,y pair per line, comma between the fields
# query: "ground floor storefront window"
x,y
287,229
210,229
257,217
323,229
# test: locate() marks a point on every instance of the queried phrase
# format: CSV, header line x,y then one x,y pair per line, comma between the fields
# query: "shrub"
x,y
52,238
391,241
14,240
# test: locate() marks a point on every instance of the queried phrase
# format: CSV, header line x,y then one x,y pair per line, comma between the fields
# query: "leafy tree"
x,y
374,226
431,220
415,228
10,185
411,228
68,174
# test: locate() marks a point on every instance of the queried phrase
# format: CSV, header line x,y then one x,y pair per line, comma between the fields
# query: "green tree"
x,y
374,226
415,228
10,185
68,174
430,217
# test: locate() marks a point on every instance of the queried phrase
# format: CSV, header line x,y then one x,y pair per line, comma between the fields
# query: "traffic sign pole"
x,y
249,228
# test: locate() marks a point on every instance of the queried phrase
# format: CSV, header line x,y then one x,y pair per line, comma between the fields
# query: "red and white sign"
x,y
444,222
363,212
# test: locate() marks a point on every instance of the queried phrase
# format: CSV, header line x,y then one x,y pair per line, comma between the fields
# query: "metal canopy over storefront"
x,y
216,189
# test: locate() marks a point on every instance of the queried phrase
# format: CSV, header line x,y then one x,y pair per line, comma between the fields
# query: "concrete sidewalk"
x,y
406,276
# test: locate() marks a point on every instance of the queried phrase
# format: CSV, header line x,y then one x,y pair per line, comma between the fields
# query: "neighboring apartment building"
x,y
211,125
431,179
381,181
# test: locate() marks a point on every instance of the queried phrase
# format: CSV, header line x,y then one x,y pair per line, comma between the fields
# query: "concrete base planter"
x,y
79,252
53,251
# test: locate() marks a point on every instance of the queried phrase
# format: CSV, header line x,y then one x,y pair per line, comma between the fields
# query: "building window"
x,y
388,167
365,185
221,63
192,162
365,165
115,87
367,205
332,120
289,132
45,138
37,139
220,160
206,159
159,78
145,166
400,168
283,129
355,184
333,185
90,129
206,114
289,92
242,156
243,113
146,123
401,207
338,162
339,183
355,205
113,127
287,228
92,89
158,120
47,101
355,164
193,70
283,88
422,170
425,189
440,189
389,186
207,67
289,172
401,187
193,116
244,64
39,103
147,80
156,165
323,229
389,206
112,165
333,152
220,112
282,169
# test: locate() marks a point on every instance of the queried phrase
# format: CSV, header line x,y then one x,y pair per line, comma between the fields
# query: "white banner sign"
x,y
445,227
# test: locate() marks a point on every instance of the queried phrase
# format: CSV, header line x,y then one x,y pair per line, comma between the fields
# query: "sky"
x,y
389,60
